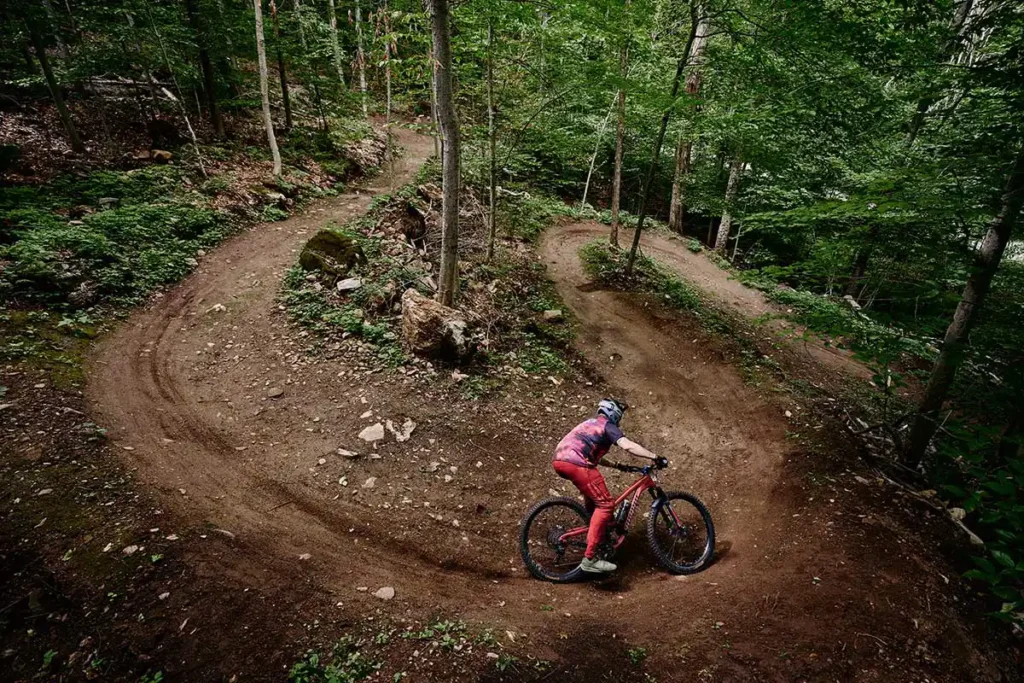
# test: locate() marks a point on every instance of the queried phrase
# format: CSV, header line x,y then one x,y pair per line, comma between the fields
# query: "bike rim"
x,y
553,556
681,533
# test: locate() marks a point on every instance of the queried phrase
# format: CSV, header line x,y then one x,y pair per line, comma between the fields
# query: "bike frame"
x,y
648,482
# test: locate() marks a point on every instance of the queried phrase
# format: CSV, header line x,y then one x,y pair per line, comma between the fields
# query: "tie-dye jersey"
x,y
588,442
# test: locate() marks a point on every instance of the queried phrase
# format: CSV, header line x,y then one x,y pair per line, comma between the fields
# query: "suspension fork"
x,y
666,510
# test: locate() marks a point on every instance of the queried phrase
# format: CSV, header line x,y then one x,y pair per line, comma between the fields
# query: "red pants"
x,y
600,503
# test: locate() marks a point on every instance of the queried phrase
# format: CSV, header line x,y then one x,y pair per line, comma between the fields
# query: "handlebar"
x,y
631,468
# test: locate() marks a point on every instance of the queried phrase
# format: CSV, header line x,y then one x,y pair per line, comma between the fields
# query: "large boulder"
x,y
432,329
332,253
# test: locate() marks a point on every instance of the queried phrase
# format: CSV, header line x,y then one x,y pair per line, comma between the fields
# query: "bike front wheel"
x,y
545,554
681,533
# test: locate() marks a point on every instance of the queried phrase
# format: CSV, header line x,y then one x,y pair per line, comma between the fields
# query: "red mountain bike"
x,y
679,530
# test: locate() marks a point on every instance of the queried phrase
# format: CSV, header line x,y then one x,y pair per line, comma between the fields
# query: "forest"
x,y
761,177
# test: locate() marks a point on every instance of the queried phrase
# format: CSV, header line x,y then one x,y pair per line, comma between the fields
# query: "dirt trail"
x,y
748,302
183,388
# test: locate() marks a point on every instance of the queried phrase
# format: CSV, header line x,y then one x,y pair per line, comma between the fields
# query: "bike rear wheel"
x,y
545,556
681,533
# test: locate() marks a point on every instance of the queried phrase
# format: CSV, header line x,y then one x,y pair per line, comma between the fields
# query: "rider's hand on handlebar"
x,y
660,462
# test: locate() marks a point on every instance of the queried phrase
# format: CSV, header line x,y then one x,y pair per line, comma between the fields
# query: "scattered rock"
x,y
351,455
385,593
407,428
861,480
275,392
432,329
367,415
958,514
349,284
44,492
5,406
164,596
331,253
370,483
374,432
553,315
130,549
161,156
305,557
432,467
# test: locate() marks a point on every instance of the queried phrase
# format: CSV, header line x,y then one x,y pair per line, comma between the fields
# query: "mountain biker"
x,y
576,459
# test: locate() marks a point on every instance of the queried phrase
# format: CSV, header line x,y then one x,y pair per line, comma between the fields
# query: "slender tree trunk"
x,y
51,82
953,346
361,58
335,45
731,190
285,99
597,148
225,62
963,11
656,152
684,150
449,276
492,180
860,264
675,207
209,81
433,100
1012,438
62,47
261,53
302,28
620,134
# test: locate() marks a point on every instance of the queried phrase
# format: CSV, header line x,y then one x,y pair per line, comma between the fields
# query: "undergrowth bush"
x,y
120,254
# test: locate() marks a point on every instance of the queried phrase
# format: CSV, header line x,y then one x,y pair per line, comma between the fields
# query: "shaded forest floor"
x,y
218,532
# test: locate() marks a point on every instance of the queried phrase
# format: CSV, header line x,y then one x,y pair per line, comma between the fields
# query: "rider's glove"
x,y
660,462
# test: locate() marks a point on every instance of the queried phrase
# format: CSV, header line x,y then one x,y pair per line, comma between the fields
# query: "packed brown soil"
x,y
214,403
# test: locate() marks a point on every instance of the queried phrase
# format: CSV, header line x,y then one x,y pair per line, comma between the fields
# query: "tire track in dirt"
x,y
242,461
144,386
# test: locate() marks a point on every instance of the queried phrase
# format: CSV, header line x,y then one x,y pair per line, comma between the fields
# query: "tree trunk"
x,y
261,53
656,152
963,11
209,82
1012,438
449,276
953,346
731,190
675,209
620,134
62,47
361,58
51,82
302,29
597,148
285,99
335,45
433,100
684,151
860,264
492,180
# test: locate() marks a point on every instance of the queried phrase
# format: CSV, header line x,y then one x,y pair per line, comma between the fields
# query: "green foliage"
x,y
637,655
344,664
121,254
